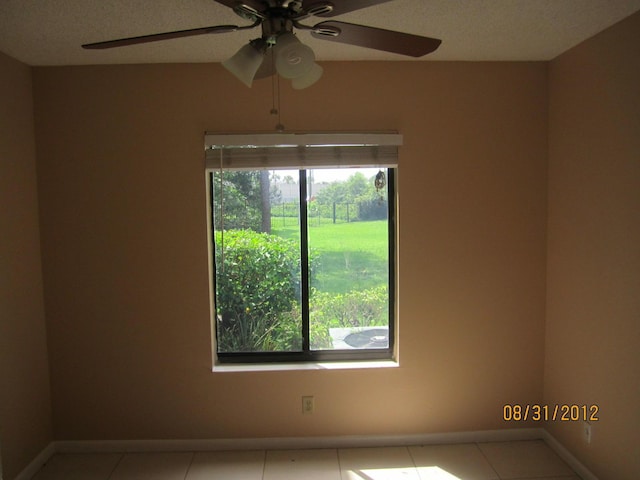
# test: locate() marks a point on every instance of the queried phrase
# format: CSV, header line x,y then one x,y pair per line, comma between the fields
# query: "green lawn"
x,y
350,256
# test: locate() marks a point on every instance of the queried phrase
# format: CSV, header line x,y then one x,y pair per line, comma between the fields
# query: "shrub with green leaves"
x,y
257,289
358,308
258,297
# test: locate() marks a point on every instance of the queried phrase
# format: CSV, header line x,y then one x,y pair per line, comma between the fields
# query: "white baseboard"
x,y
37,463
286,443
568,457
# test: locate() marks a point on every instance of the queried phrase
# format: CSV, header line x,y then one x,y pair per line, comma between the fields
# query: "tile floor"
x,y
523,460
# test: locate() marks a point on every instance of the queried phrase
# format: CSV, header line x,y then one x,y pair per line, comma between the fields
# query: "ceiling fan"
x,y
287,55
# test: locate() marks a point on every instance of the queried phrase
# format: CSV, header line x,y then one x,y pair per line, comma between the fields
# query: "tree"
x,y
265,197
357,185
346,191
357,189
242,200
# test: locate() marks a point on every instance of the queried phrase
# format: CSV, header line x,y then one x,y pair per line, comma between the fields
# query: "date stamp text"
x,y
543,413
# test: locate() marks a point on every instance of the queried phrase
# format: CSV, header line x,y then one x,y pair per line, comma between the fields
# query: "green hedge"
x,y
257,291
358,308
258,297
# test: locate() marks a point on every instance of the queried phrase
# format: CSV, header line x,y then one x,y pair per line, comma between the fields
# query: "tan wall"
x,y
125,255
593,322
25,414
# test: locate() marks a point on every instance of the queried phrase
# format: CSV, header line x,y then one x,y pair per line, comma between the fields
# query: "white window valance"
x,y
301,150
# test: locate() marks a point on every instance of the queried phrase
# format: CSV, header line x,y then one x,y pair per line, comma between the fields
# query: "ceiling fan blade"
x,y
377,38
257,4
342,6
122,42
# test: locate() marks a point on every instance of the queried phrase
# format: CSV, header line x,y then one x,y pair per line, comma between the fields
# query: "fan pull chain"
x,y
221,209
275,95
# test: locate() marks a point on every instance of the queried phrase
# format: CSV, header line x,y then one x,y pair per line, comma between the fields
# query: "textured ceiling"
x,y
50,32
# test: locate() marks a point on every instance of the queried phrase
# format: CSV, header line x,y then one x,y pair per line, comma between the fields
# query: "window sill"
x,y
277,367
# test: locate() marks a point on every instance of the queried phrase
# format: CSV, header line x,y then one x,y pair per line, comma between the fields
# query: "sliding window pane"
x,y
348,236
257,261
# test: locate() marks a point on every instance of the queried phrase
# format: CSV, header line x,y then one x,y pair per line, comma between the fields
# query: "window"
x,y
302,248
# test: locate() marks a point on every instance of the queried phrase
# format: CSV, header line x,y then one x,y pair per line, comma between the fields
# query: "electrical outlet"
x,y
586,432
307,405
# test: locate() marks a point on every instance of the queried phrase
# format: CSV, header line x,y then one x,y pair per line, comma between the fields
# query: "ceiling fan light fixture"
x,y
289,57
293,58
309,78
246,62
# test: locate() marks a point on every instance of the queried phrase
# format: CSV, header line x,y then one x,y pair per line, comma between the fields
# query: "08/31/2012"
x,y
542,413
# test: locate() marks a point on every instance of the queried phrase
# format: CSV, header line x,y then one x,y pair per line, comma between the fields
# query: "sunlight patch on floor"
x,y
426,473
436,473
